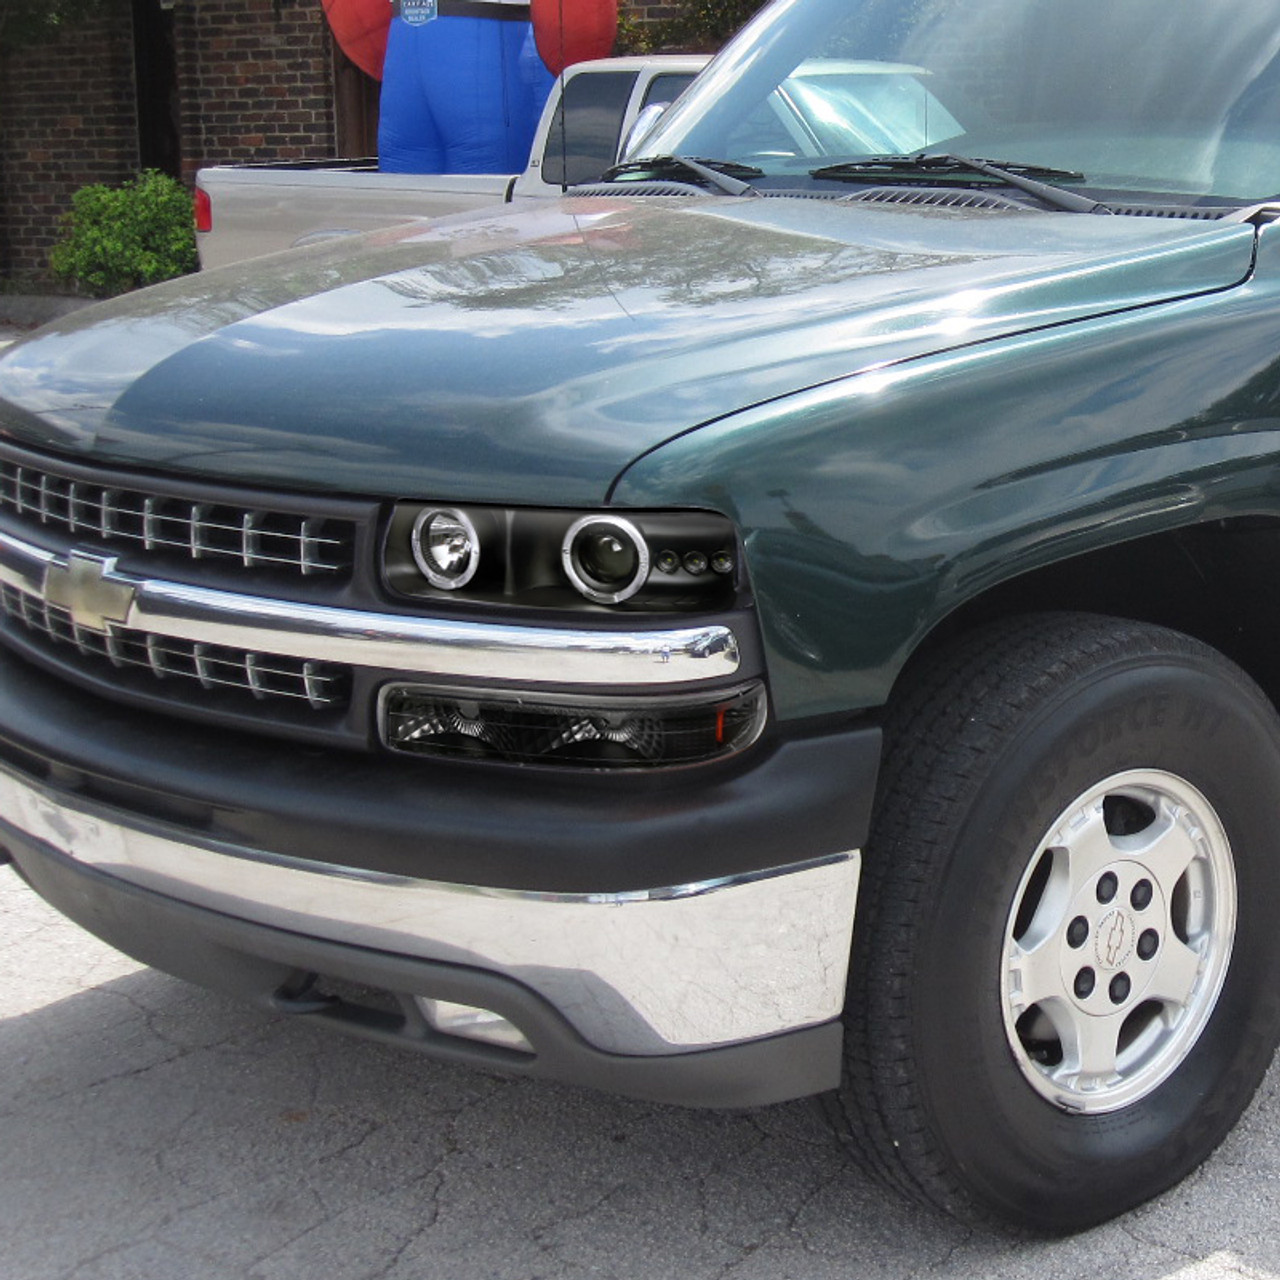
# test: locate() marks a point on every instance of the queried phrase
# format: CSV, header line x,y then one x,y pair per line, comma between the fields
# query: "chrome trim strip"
x,y
23,566
657,971
423,646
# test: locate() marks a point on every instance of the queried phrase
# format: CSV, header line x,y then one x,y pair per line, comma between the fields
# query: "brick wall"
x,y
66,119
256,81
649,12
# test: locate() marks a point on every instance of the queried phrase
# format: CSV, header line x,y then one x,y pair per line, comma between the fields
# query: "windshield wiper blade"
x,y
1022,176
724,175
932,162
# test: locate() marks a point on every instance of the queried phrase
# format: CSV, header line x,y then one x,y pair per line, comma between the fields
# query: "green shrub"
x,y
121,238
28,22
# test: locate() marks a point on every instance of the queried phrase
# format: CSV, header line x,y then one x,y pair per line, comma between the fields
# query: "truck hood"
x,y
529,356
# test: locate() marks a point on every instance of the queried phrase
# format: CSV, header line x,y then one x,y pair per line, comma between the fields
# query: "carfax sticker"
x,y
418,12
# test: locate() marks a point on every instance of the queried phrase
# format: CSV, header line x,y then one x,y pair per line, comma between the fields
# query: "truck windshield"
x,y
1136,98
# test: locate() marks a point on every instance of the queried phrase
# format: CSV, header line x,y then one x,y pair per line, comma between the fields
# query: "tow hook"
x,y
302,997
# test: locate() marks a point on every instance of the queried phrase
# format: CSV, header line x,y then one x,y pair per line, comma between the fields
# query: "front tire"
x,y
1065,975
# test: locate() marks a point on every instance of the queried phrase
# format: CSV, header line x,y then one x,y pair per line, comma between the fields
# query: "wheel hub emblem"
x,y
1114,938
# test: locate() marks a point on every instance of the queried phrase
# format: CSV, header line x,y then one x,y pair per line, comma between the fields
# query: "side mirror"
x,y
643,126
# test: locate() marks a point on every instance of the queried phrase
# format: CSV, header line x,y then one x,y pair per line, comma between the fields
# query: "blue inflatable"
x,y
462,87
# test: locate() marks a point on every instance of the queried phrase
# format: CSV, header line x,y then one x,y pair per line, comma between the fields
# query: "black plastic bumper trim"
x,y
484,824
258,963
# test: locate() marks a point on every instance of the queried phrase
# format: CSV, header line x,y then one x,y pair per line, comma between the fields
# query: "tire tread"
x,y
957,709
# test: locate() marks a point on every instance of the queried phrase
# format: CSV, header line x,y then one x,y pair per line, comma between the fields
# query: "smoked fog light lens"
x,y
579,732
446,547
606,559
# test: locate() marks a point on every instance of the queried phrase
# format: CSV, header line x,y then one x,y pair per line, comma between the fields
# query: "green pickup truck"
x,y
789,617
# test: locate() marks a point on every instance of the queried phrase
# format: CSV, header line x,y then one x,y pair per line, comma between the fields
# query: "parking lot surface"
x,y
152,1131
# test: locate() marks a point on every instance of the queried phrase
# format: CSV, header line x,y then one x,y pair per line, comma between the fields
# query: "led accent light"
x,y
446,547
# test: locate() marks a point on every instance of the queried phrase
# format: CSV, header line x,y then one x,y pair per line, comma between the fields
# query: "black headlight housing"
x,y
627,561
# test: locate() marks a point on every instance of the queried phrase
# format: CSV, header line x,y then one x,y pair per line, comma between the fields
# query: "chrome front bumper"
x,y
655,972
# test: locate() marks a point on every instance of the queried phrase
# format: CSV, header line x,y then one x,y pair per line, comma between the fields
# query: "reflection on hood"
x,y
531,355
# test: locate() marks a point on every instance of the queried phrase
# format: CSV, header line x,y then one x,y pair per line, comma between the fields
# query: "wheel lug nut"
x,y
1140,898
1084,984
1078,932
1148,944
1119,988
1107,886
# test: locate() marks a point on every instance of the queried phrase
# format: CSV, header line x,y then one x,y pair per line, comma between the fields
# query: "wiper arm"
x,y
724,175
929,162
1022,176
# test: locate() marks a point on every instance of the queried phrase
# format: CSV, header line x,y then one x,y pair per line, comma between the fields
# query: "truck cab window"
x,y
585,132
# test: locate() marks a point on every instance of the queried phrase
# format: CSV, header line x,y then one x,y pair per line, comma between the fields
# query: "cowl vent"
x,y
910,196
612,190
935,198
1197,213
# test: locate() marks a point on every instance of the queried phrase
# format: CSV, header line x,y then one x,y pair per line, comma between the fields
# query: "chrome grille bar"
x,y
262,676
437,647
253,538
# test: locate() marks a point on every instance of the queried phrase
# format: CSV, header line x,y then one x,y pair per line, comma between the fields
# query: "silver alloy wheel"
x,y
1118,941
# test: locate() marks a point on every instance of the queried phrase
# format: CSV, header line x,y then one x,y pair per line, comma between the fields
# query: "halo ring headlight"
x,y
446,547
606,559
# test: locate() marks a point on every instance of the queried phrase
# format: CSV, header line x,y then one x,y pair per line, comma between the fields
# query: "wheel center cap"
x,y
1114,938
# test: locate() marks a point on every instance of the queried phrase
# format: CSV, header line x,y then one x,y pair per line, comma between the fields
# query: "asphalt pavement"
x,y
152,1131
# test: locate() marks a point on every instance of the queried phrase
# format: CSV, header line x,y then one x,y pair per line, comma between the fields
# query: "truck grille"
x,y
255,677
130,517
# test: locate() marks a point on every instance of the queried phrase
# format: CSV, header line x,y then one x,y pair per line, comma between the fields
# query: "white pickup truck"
x,y
244,211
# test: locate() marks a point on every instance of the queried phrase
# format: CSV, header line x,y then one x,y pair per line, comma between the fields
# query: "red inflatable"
x,y
360,27
569,31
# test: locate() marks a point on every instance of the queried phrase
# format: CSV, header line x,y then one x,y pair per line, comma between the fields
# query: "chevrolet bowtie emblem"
x,y
90,590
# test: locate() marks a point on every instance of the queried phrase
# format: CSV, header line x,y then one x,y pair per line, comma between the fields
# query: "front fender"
x,y
873,507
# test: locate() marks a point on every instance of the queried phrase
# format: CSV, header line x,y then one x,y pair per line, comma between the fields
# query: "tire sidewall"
x,y
1019,1152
